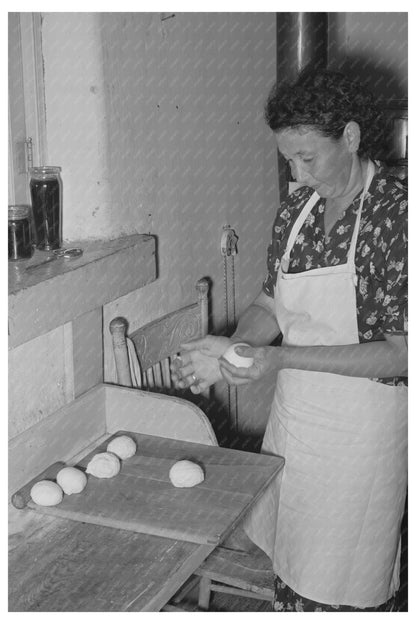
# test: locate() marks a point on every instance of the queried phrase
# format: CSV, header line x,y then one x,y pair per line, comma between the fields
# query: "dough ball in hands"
x,y
72,480
123,446
238,360
104,465
185,473
46,493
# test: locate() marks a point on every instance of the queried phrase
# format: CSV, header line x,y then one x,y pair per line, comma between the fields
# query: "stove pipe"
x,y
302,38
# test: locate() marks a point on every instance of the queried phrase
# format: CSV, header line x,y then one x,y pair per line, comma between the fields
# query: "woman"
x,y
336,290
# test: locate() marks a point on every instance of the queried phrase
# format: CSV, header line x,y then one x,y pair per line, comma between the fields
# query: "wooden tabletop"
x,y
142,498
90,557
57,564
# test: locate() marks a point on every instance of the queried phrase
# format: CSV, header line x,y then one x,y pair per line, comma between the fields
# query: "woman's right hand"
x,y
197,367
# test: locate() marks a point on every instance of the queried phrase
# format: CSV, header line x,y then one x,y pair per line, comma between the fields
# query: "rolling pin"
x,y
21,498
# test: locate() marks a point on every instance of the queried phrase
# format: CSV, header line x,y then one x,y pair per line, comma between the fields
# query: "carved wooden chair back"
x,y
158,342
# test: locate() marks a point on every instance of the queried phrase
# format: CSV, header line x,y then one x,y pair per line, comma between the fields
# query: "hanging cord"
x,y
233,317
228,251
227,320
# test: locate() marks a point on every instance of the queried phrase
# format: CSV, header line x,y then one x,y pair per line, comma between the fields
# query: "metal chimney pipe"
x,y
302,38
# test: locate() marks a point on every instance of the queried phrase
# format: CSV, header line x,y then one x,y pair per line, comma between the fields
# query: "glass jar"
x,y
20,233
46,195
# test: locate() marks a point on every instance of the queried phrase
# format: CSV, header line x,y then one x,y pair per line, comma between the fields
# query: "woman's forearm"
x,y
257,325
386,358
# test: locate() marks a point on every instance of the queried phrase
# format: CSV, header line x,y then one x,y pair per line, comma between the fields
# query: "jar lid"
x,y
19,212
45,170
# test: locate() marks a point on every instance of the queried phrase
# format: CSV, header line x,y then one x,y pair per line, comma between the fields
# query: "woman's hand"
x,y
265,362
197,367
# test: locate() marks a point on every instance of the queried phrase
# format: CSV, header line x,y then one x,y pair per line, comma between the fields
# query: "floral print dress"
x,y
285,599
381,291
380,258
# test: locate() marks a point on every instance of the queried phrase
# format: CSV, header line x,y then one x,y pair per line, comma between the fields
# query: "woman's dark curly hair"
x,y
326,100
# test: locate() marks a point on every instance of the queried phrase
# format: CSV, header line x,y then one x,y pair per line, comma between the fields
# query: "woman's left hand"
x,y
265,362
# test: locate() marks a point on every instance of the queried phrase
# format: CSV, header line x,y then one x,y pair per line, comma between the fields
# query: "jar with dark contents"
x,y
46,195
20,233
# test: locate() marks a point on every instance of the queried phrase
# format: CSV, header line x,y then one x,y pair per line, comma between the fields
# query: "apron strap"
x,y
369,176
314,198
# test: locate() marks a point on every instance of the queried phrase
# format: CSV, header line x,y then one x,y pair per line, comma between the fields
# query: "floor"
x,y
226,603
223,603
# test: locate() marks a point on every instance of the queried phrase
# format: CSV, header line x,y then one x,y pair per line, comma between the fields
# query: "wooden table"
x,y
57,564
66,564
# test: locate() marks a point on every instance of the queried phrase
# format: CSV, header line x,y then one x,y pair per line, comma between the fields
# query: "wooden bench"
x,y
237,558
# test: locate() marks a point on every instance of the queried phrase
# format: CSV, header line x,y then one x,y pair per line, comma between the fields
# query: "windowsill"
x,y
57,292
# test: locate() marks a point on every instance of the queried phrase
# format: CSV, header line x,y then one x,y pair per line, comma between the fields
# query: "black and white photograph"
x,y
207,377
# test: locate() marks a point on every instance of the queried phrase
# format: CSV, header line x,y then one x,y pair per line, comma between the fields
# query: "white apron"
x,y
331,521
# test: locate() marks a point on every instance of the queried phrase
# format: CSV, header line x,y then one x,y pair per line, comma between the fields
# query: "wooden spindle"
x,y
202,288
118,329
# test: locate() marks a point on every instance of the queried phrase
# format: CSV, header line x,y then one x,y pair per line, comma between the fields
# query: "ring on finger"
x,y
194,379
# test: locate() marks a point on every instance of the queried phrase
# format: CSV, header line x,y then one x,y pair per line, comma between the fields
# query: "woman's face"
x,y
323,163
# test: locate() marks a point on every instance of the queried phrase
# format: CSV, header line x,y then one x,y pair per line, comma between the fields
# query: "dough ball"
x,y
72,480
104,465
123,446
186,474
46,493
238,360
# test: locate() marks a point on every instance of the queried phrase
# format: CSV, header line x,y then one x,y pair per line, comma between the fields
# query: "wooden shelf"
x,y
43,296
